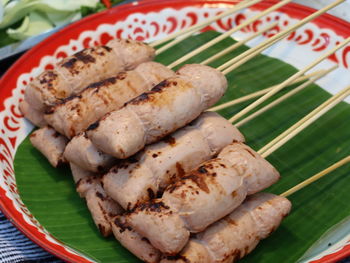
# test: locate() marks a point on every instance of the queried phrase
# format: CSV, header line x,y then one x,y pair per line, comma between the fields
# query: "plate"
x,y
151,20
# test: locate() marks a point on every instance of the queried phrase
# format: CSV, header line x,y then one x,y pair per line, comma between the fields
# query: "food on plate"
x,y
33,115
50,143
102,208
84,154
74,73
135,243
149,172
201,197
76,113
170,105
237,234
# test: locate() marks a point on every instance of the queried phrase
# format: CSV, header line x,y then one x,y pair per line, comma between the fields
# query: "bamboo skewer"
x,y
284,97
228,33
189,31
280,35
288,81
237,63
244,57
262,92
238,44
196,27
316,177
304,122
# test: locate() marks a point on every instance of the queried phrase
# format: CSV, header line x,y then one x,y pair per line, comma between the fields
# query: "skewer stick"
x,y
199,26
262,92
316,177
303,123
244,59
228,33
288,81
283,98
174,42
189,31
238,44
277,37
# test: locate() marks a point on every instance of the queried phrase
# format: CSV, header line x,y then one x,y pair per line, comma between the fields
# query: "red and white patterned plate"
x,y
148,21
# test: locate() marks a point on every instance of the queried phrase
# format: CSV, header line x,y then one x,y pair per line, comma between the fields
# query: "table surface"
x,y
15,247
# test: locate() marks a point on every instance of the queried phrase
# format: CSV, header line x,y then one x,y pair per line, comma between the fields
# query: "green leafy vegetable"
x,y
50,195
39,16
87,10
33,24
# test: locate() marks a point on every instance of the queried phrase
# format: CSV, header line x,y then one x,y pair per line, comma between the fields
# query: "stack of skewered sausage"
x,y
111,110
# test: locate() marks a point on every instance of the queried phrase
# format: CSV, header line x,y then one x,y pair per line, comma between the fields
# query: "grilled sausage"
x,y
78,174
237,234
33,115
90,65
76,113
84,154
161,163
168,106
258,173
50,143
102,208
135,243
200,198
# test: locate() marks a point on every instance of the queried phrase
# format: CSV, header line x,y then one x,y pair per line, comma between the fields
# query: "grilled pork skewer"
x,y
50,143
161,163
102,208
104,211
242,230
201,197
237,234
232,237
76,113
74,73
168,106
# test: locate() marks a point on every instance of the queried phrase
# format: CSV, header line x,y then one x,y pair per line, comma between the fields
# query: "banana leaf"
x,y
50,193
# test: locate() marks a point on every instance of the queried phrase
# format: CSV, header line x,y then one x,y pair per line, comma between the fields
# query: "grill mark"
x,y
107,48
122,225
153,206
144,97
177,257
202,170
198,180
230,221
180,170
151,193
170,140
70,63
99,84
197,176
100,195
145,240
250,152
48,78
85,58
